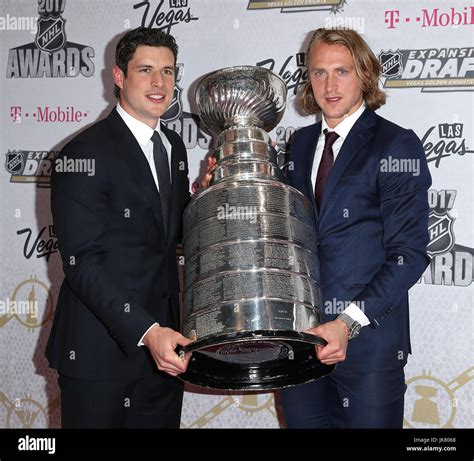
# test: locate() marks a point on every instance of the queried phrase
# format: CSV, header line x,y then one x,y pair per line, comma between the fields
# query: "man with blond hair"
x,y
371,215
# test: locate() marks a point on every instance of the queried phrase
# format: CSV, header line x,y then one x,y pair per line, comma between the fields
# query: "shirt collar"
x,y
343,128
140,130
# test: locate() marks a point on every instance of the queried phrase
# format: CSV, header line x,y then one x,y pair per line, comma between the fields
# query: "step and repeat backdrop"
x,y
56,62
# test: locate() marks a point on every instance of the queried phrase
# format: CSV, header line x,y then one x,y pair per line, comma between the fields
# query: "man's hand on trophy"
x,y
336,335
162,342
211,166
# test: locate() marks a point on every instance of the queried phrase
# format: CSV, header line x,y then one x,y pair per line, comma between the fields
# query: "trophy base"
x,y
255,360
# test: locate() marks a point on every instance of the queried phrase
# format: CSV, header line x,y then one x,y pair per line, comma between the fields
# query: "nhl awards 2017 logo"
x,y
51,35
50,55
176,107
440,230
432,69
186,124
451,263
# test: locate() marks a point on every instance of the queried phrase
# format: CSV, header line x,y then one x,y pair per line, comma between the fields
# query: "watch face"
x,y
352,325
355,330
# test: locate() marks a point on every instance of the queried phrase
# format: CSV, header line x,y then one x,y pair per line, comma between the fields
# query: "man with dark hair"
x,y
367,179
114,334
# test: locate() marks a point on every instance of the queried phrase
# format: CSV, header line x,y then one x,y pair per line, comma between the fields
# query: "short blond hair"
x,y
367,67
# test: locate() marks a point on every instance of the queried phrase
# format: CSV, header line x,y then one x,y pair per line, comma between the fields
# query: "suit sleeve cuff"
x,y
356,314
140,343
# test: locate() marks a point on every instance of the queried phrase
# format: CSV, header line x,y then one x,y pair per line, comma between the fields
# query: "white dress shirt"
x,y
143,133
342,129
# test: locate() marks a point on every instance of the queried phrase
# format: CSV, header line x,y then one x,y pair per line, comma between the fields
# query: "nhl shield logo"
x,y
14,162
51,35
391,62
176,107
440,231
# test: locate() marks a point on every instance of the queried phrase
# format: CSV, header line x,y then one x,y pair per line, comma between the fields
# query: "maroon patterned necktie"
x,y
327,159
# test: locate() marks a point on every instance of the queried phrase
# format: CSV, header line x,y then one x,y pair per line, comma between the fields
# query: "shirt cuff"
x,y
140,343
356,314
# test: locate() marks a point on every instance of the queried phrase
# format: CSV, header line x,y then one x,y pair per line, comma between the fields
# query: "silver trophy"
x,y
251,269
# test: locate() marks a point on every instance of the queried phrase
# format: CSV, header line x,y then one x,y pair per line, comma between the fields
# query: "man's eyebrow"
x,y
340,67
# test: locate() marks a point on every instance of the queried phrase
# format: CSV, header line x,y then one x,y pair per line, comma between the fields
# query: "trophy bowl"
x,y
251,283
253,95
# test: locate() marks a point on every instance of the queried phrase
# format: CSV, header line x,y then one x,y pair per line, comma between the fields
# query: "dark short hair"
x,y
367,67
141,36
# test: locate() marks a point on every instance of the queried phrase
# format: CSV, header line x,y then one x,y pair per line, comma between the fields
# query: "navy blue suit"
x,y
372,237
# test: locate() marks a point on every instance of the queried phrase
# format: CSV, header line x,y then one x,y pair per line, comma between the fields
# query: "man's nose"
x,y
331,83
157,80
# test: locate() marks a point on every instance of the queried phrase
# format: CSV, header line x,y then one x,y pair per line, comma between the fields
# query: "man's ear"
x,y
118,76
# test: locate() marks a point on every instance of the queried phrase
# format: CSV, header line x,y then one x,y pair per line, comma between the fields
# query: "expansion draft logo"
x,y
432,69
28,166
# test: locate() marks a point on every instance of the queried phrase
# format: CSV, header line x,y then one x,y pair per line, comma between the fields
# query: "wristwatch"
x,y
352,325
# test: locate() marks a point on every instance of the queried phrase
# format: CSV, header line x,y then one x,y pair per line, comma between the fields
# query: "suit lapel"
x,y
132,154
360,133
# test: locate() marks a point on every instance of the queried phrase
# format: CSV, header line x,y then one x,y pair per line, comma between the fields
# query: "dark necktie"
x,y
162,168
327,159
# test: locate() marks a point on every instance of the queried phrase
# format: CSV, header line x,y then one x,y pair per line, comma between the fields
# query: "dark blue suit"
x,y
372,232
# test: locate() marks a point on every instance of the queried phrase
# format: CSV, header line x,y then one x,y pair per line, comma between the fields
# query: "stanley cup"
x,y
251,284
